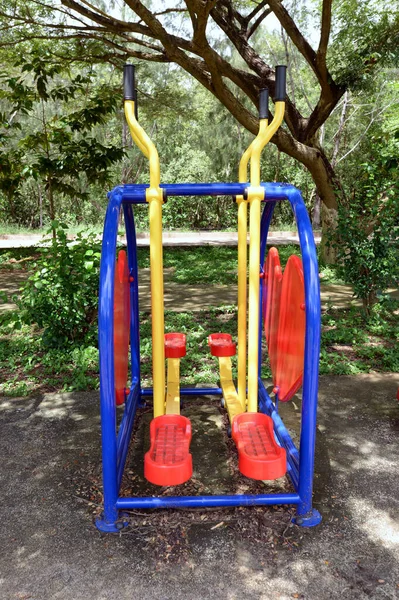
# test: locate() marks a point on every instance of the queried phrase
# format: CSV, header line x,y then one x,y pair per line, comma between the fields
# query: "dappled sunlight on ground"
x,y
51,550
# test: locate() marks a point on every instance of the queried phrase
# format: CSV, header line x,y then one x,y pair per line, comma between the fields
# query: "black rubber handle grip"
x,y
136,105
264,103
281,83
128,82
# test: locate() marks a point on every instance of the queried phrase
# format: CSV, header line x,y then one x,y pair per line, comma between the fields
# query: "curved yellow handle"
x,y
144,143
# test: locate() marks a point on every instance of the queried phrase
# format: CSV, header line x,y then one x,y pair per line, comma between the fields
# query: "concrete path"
x,y
182,297
50,549
170,238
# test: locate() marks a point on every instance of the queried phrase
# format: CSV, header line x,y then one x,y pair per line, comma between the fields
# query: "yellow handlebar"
x,y
144,143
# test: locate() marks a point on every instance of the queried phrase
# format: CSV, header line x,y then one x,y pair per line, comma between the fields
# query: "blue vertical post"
x,y
107,522
134,293
306,515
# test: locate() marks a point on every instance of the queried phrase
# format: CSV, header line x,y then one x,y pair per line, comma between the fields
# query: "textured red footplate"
x,y
221,344
175,345
259,455
168,461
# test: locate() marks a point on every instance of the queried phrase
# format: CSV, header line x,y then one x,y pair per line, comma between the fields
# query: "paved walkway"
x,y
184,298
170,238
50,549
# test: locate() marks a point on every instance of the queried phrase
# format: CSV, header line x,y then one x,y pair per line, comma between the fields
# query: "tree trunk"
x,y
51,204
327,186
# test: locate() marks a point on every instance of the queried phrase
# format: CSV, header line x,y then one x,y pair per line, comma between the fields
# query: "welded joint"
x,y
154,194
255,192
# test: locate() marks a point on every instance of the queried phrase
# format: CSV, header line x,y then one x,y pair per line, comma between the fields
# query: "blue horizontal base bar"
x,y
207,501
190,391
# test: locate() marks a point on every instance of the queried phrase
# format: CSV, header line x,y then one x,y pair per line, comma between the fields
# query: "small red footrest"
x,y
168,461
175,345
221,344
259,455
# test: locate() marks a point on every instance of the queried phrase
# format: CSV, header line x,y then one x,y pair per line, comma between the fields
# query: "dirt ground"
x,y
50,492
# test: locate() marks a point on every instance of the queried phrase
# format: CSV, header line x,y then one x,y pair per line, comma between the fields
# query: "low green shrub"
x,y
61,295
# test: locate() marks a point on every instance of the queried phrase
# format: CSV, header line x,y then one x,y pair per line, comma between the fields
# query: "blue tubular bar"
x,y
207,501
206,391
125,430
134,293
266,406
312,350
136,193
106,352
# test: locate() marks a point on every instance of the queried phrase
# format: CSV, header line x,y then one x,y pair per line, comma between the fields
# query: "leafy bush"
x,y
367,244
61,295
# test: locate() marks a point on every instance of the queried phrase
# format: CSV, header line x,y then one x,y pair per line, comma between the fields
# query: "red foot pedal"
x,y
168,461
221,344
259,456
175,345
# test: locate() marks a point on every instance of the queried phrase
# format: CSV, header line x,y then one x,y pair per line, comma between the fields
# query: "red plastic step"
x,y
259,455
221,344
175,345
168,461
121,325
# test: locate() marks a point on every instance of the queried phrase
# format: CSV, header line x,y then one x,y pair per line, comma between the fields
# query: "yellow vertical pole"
x,y
242,279
255,196
154,198
242,301
157,301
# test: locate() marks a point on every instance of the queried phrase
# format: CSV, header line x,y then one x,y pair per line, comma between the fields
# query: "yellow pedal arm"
x,y
173,387
232,403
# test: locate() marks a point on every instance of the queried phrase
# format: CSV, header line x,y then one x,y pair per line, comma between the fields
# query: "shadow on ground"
x,y
51,550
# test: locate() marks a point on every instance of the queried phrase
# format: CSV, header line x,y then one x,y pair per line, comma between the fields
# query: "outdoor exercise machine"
x,y
283,305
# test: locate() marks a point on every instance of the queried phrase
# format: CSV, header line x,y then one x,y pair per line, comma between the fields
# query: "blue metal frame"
x,y
115,443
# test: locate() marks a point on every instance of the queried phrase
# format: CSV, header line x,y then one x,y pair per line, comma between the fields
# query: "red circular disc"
x,y
121,325
291,331
271,304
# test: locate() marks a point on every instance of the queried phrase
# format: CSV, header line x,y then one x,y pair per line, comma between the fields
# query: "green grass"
x,y
215,264
350,344
188,265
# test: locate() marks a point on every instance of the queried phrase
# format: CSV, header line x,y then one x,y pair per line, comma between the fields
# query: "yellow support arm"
x,y
173,387
232,402
255,196
155,199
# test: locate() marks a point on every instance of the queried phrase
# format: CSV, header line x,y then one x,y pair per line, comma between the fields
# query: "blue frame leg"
x,y
310,519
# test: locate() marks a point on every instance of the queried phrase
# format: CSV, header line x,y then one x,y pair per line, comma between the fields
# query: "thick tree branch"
x,y
324,37
255,11
110,23
294,34
258,21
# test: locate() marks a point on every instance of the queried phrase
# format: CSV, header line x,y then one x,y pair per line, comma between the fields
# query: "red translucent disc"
x,y
291,331
121,325
271,304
